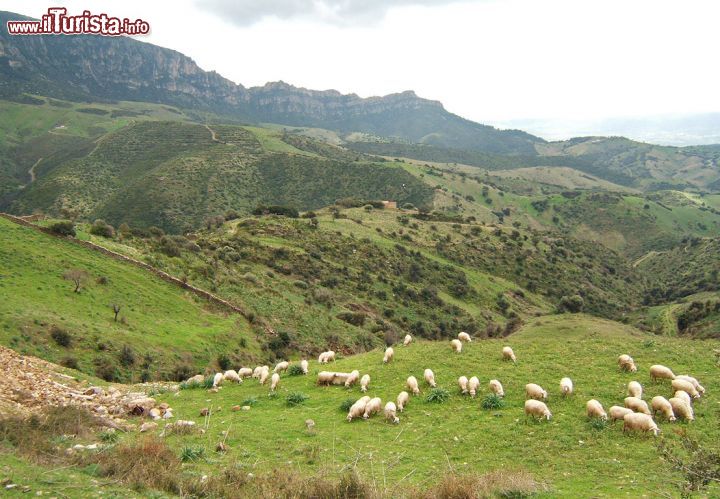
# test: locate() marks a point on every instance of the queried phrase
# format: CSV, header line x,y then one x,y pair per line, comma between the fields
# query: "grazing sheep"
x,y
635,389
683,395
232,375
566,387
256,372
389,354
274,381
429,377
463,384
402,399
456,345
245,372
364,382
326,357
304,366
660,372
412,384
407,340
508,354
463,336
637,405
264,374
682,408
281,366
537,409
352,379
321,358
694,382
391,413
325,377
617,412
372,407
340,378
358,408
627,363
473,386
639,422
218,379
661,404
685,386
496,387
536,392
595,410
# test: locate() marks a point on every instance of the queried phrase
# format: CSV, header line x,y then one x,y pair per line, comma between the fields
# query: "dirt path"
x,y
646,256
31,171
213,135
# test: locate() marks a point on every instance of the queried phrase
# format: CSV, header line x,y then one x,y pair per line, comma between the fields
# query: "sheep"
x,y
364,382
685,386
536,392
232,375
391,412
617,412
661,404
304,366
639,422
637,405
683,395
274,381
635,389
245,372
595,410
456,345
695,383
682,408
660,372
429,377
372,407
281,366
566,386
463,336
218,379
412,384
389,354
256,372
325,377
508,354
407,340
264,374
352,378
627,363
402,399
358,408
537,409
496,387
326,357
473,386
340,378
463,384
321,358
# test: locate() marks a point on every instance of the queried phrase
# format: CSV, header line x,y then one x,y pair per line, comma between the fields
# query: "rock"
x,y
245,408
204,411
235,408
213,390
94,390
222,447
155,413
309,424
145,427
167,415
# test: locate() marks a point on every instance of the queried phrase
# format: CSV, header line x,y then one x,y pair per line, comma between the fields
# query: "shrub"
x,y
69,362
102,229
285,211
346,405
127,356
354,318
63,228
250,401
192,454
699,464
105,369
109,436
572,304
61,337
438,396
492,402
295,370
149,463
224,362
296,398
182,372
598,424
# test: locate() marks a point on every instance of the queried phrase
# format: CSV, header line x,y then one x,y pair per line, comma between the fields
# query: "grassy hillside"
x,y
161,326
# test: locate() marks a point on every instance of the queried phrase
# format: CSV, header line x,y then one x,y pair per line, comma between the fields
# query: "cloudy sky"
x,y
493,61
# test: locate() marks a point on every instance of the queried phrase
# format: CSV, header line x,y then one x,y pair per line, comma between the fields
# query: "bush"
x,y
149,463
192,454
296,398
102,229
285,211
223,362
295,370
492,402
438,396
354,318
61,337
63,228
69,362
250,401
105,369
127,356
572,304
182,372
346,405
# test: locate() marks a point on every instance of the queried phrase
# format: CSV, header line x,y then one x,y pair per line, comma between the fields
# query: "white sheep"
x,y
321,358
325,377
364,382
304,366
218,379
463,384
274,381
391,413
281,366
685,386
245,372
412,384
566,386
402,399
694,382
595,410
389,354
429,377
683,395
463,336
407,340
537,409
473,386
326,357
627,363
256,372
616,412
639,422
372,407
660,372
358,408
508,354
496,387
232,375
682,408
536,392
637,405
456,345
661,404
264,373
635,389
352,378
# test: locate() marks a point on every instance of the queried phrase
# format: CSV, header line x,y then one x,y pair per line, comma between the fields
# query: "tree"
x,y
77,276
102,229
63,228
116,310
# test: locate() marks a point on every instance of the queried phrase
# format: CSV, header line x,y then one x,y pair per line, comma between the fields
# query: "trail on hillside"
x,y
31,171
646,256
213,135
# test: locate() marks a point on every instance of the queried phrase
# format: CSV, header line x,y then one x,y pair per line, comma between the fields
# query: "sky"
x,y
492,61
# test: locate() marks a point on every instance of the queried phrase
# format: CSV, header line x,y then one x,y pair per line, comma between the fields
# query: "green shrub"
x,y
63,228
102,229
438,396
60,336
224,362
295,370
296,398
346,405
192,454
250,401
492,402
109,436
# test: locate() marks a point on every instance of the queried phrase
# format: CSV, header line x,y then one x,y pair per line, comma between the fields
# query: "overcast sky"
x,y
488,60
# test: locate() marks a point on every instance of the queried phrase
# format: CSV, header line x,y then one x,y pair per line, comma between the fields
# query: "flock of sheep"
x,y
636,414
